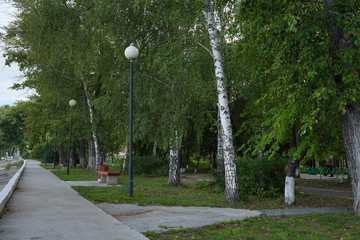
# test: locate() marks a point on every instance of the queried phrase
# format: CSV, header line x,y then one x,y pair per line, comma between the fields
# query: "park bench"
x,y
312,171
110,178
63,166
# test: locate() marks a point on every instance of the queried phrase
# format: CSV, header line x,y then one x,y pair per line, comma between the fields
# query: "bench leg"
x,y
112,180
103,178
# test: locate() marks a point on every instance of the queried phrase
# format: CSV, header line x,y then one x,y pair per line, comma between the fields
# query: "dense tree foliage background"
x,y
291,76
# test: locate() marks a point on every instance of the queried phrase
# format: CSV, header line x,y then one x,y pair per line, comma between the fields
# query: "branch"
x,y
206,49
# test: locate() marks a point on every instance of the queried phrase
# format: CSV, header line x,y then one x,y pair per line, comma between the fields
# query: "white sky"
x,y
8,75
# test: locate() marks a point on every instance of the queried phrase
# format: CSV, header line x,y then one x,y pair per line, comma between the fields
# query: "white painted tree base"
x,y
289,190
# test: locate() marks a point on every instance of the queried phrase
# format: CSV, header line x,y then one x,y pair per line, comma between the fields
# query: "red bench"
x,y
110,178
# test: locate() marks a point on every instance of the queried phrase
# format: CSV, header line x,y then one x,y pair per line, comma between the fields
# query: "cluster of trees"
x,y
282,75
11,132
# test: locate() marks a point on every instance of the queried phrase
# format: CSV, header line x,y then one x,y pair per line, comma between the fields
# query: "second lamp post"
x,y
131,53
72,103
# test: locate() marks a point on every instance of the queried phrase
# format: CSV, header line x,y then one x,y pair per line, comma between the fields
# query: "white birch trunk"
x,y
124,162
289,190
92,158
220,150
155,149
174,162
231,182
96,145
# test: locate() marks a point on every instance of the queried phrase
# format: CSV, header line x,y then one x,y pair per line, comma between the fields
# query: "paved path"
x,y
161,218
327,192
44,207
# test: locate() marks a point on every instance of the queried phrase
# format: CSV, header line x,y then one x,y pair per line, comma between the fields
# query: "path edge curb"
x,y
8,190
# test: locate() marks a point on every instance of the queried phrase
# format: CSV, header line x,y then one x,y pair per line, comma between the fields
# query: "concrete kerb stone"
x,y
7,191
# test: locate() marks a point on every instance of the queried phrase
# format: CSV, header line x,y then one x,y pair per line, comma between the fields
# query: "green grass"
x,y
154,191
75,174
336,225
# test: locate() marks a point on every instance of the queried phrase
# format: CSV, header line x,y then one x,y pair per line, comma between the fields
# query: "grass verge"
x,y
154,191
75,174
336,225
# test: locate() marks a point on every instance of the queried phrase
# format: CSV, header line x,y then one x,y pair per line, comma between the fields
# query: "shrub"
x,y
262,174
262,177
150,166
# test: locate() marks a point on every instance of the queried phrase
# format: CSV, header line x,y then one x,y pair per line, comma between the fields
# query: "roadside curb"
x,y
6,193
301,211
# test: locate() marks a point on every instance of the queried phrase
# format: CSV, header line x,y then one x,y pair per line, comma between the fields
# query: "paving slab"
x,y
44,207
161,218
300,211
91,184
327,192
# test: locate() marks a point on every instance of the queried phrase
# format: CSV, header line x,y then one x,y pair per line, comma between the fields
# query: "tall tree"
x,y
231,182
307,78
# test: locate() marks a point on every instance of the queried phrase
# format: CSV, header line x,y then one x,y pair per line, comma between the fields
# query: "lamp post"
x,y
131,53
72,103
54,152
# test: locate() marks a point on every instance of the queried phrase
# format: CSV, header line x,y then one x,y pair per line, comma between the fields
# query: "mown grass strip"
x,y
154,191
336,225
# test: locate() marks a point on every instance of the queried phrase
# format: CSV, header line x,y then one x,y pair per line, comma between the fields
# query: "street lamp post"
x,y
131,53
72,103
54,152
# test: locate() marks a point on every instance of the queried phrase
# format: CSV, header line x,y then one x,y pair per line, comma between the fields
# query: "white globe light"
x,y
72,103
131,52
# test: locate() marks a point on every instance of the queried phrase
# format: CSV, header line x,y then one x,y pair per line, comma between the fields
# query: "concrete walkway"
x,y
162,218
44,207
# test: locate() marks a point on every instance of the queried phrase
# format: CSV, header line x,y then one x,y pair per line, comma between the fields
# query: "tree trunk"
x,y
95,139
92,159
231,181
350,127
124,162
174,162
220,155
73,158
82,155
290,173
155,149
62,155
290,182
350,120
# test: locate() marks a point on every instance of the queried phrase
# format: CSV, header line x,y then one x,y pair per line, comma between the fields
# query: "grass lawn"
x,y
154,191
75,174
309,226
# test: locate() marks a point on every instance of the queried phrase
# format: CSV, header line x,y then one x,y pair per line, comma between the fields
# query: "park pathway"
x,y
44,207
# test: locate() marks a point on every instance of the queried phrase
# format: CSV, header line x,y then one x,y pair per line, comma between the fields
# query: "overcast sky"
x,y
8,75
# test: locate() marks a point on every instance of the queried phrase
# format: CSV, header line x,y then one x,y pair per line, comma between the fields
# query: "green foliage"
x,y
260,176
11,128
150,166
7,166
43,152
257,175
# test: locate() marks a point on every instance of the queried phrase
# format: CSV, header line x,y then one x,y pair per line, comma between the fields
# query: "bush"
x,y
150,166
263,174
262,177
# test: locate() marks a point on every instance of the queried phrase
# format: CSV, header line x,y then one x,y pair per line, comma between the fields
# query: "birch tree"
x,y
231,184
